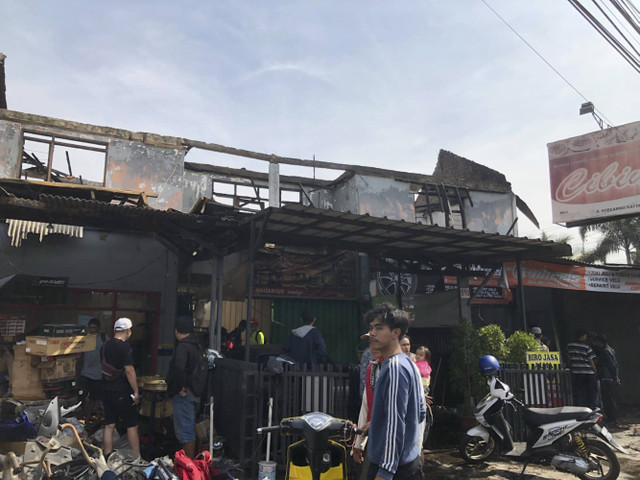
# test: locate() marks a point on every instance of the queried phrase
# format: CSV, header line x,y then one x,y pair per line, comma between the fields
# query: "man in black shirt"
x,y
184,400
607,365
120,391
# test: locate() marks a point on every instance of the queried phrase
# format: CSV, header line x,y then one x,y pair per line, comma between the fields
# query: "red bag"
x,y
188,469
202,461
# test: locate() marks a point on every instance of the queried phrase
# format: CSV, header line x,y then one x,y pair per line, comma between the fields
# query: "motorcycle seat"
x,y
539,416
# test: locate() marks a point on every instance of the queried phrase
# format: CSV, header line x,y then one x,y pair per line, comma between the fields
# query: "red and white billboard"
x,y
596,176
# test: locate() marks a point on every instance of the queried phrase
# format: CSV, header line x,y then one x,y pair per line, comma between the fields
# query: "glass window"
x,y
95,299
137,301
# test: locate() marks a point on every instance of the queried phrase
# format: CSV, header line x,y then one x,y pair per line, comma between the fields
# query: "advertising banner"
x,y
417,285
595,176
589,279
305,274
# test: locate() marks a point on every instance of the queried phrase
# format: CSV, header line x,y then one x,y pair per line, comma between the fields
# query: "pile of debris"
x,y
37,442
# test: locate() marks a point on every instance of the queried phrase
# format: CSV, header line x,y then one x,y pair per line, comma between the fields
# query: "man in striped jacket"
x,y
398,403
583,371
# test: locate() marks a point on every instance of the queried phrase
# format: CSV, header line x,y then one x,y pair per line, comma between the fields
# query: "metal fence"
x,y
541,387
332,389
242,391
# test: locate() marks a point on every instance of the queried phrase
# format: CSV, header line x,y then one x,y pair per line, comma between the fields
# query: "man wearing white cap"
x,y
537,334
119,386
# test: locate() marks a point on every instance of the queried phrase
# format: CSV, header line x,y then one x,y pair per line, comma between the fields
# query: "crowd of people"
x,y
394,384
594,373
108,374
395,402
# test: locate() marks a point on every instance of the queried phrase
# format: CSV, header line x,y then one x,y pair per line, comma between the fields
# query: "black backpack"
x,y
200,373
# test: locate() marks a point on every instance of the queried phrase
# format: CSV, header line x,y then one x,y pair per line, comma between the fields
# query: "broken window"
x,y
442,205
251,196
56,158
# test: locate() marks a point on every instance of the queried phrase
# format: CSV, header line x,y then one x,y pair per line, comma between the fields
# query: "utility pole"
x,y
3,86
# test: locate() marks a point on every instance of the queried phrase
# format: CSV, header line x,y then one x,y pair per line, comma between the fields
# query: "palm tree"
x,y
566,238
617,235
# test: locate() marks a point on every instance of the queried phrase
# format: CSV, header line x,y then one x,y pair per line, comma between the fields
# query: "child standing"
x,y
423,356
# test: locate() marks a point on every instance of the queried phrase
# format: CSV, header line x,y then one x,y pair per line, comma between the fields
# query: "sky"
x,y
378,83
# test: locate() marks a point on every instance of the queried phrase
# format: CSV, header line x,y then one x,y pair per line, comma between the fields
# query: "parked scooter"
x,y
318,456
571,439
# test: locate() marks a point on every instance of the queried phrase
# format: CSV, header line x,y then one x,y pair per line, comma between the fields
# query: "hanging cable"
x,y
606,34
622,25
622,35
629,12
544,59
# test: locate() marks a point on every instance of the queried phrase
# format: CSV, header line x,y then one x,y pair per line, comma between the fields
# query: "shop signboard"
x,y
543,359
305,274
595,177
33,290
573,277
541,385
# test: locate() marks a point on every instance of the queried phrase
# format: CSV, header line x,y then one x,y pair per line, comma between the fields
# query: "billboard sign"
x,y
574,277
596,177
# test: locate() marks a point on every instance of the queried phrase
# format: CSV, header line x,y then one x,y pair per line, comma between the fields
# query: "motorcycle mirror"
x,y
50,419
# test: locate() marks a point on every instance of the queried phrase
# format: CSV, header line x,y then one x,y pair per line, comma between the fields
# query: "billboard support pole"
x,y
521,295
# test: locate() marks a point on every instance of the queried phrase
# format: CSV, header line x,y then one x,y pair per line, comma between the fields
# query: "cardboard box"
x,y
51,346
24,378
202,430
61,367
164,408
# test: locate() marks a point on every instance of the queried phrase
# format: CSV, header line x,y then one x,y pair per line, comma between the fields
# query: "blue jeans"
x,y
184,417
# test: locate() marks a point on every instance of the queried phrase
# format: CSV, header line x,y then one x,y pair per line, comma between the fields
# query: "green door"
x,y
339,322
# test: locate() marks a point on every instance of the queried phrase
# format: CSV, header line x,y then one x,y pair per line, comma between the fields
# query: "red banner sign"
x,y
596,176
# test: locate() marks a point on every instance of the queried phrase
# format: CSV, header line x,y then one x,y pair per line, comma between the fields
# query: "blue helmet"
x,y
489,365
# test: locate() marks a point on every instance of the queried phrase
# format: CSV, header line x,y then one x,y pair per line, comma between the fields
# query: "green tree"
x,y
616,236
464,377
518,344
565,238
491,341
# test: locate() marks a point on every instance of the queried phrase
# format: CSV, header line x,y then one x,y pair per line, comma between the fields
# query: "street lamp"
x,y
588,107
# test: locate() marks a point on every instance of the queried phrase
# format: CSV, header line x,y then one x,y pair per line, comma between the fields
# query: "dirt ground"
x,y
447,464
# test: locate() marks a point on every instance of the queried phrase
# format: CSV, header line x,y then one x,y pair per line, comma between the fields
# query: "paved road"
x,y
449,465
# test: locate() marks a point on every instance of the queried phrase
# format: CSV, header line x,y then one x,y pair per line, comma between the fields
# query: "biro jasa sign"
x,y
541,385
595,176
543,358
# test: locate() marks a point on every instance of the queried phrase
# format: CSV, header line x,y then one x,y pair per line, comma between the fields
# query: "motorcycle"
x,y
571,439
318,456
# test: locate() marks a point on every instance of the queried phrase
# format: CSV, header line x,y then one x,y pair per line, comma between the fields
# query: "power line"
x,y
627,17
628,56
606,34
621,23
543,59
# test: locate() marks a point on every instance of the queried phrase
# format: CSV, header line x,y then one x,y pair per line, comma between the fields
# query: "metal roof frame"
x,y
218,229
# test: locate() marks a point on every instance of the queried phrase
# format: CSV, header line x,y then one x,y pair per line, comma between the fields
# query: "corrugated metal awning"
x,y
315,227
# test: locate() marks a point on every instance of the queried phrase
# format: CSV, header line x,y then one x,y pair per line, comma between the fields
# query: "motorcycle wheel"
x,y
603,460
477,450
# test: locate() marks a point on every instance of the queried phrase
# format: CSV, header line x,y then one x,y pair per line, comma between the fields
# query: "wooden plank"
x,y
74,186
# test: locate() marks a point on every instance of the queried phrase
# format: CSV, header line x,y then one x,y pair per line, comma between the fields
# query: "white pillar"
x,y
274,184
